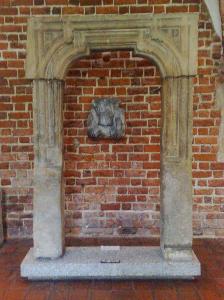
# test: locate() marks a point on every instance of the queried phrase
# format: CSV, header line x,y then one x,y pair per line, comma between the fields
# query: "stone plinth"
x,y
93,263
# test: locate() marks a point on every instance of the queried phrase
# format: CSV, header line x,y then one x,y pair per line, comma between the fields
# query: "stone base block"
x,y
108,263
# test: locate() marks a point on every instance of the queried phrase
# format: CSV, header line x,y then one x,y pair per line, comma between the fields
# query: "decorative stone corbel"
x,y
220,105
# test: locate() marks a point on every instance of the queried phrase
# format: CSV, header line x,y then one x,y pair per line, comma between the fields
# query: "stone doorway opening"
x,y
112,187
53,43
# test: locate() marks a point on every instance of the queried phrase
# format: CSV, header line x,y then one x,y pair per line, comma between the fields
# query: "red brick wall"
x,y
111,185
91,215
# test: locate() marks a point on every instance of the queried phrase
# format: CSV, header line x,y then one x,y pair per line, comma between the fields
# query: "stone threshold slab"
x,y
107,263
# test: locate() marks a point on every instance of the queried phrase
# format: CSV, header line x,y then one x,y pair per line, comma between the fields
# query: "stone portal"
x,y
53,43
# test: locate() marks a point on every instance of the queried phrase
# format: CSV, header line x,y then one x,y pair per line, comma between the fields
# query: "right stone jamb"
x,y
176,169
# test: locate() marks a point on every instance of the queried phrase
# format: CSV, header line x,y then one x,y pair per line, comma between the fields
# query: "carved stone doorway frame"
x,y
53,44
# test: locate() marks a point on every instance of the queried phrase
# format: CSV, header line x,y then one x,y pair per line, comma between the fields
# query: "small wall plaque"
x,y
106,119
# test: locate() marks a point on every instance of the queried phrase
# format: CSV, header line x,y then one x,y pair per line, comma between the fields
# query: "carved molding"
x,y
47,106
170,39
177,119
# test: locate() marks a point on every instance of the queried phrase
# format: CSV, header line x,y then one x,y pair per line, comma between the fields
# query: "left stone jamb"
x,y
48,219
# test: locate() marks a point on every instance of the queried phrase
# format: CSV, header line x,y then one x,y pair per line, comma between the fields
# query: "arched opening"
x,y
112,188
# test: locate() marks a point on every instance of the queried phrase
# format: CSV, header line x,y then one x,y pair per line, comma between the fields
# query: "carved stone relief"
x,y
106,119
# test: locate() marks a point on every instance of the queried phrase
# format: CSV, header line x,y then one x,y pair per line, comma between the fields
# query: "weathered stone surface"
x,y
106,119
176,170
1,225
169,39
128,262
48,211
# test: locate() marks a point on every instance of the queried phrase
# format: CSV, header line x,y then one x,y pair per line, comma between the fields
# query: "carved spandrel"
x,y
172,33
50,37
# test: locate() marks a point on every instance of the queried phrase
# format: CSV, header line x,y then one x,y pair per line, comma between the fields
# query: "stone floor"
x,y
209,287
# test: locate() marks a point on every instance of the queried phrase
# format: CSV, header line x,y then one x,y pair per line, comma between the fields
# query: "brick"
x,y
86,181
124,2
6,11
152,148
103,173
72,10
119,181
125,198
217,166
6,107
90,2
19,115
205,157
139,140
135,173
107,10
141,9
89,149
110,206
216,183
122,148
56,2
137,190
104,91
40,10
203,122
139,157
176,9
206,140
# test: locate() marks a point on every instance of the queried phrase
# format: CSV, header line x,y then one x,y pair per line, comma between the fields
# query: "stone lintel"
x,y
169,39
